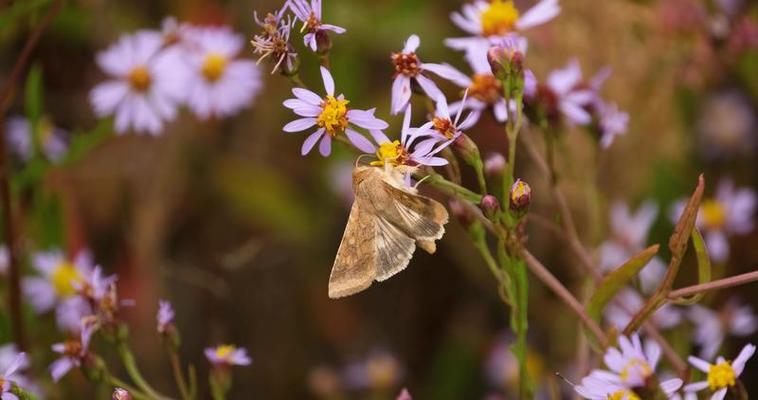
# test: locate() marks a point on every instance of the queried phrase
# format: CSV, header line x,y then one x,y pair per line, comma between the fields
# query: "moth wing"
x,y
420,217
355,265
394,249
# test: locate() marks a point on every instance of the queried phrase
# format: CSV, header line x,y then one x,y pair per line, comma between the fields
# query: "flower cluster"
x,y
152,73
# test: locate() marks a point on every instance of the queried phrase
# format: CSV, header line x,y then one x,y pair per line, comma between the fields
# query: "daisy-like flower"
x,y
6,378
629,233
612,122
403,152
596,388
332,117
631,365
722,375
59,278
310,15
408,67
729,213
500,17
165,317
628,302
148,81
568,95
444,127
274,41
73,352
20,140
379,370
220,84
226,355
711,327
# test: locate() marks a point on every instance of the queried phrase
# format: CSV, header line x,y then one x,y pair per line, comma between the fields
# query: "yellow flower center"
x,y
214,66
391,152
444,126
713,213
623,394
225,351
635,365
139,78
63,277
499,18
333,115
485,87
721,376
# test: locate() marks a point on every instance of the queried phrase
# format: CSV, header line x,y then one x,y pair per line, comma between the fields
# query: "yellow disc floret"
x,y
333,115
636,365
623,395
499,18
139,78
713,213
225,351
721,376
63,278
392,153
214,66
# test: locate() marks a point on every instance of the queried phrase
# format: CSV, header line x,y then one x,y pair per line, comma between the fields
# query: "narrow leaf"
x,y
683,229
616,280
703,267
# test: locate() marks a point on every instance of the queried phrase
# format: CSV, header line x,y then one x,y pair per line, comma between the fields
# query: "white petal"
x,y
699,364
411,44
328,81
299,125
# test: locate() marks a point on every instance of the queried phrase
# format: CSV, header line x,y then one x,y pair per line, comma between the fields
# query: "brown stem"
x,y
9,230
719,284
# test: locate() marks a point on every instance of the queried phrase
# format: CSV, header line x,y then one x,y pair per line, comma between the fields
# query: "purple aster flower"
x,y
711,327
628,302
148,82
405,152
4,259
19,135
274,41
219,84
613,122
444,128
310,15
332,117
20,360
58,280
722,375
379,370
500,17
73,352
227,355
409,67
631,364
165,317
730,212
571,98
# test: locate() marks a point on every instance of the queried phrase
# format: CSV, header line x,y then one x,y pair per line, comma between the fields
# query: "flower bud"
x,y
494,164
490,206
520,197
468,150
323,42
461,213
506,62
121,394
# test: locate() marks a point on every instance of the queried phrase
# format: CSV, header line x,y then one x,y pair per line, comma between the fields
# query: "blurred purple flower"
x,y
148,82
572,99
409,67
332,116
722,375
73,352
165,316
379,370
310,15
4,259
20,360
20,140
631,365
613,122
628,302
227,356
500,17
59,278
219,84
711,327
727,126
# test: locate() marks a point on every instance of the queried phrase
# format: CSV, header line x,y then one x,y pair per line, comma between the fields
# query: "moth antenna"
x,y
419,181
357,160
558,374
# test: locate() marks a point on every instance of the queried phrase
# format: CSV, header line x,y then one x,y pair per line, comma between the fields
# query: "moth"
x,y
387,220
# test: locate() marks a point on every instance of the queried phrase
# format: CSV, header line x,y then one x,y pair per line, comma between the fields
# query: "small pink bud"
x,y
490,206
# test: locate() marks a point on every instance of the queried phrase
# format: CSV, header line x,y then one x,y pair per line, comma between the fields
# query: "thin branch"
x,y
679,365
718,284
9,230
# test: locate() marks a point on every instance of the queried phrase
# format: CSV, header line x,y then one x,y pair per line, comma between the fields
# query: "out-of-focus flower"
x,y
501,365
727,126
274,41
219,84
612,121
711,327
324,382
730,212
148,82
9,356
494,164
628,302
4,259
629,233
409,67
722,375
332,117
380,370
630,367
60,276
571,98
227,355
310,15
403,152
21,142
404,395
165,317
121,394
73,352
6,378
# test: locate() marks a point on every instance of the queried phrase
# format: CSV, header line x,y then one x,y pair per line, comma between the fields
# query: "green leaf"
x,y
703,267
683,229
616,280
33,94
18,10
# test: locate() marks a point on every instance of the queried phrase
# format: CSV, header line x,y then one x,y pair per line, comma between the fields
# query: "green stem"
x,y
127,358
296,81
176,367
452,189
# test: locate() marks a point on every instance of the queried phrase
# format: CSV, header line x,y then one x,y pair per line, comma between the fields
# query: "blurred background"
x,y
226,220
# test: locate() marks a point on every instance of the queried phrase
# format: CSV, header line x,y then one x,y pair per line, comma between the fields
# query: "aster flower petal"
x,y
299,125
429,87
106,96
359,141
325,146
540,13
328,81
379,136
411,44
449,72
311,141
700,364
60,368
366,119
672,385
401,93
745,354
39,293
307,96
719,394
333,28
